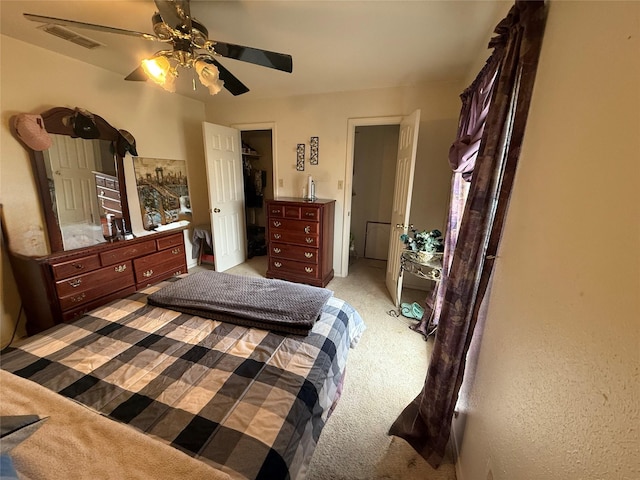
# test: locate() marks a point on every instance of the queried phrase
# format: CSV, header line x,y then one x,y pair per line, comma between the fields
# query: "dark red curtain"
x,y
426,422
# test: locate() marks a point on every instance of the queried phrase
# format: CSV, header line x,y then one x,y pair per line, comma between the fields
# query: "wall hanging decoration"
x,y
314,144
162,190
300,157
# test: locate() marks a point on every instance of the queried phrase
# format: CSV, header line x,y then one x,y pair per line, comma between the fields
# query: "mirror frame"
x,y
53,122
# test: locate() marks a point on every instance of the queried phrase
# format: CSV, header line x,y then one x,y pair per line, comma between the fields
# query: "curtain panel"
x,y
426,422
476,100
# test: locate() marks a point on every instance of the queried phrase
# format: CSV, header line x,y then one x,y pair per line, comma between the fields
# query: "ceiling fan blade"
x,y
231,83
137,75
175,12
90,26
265,58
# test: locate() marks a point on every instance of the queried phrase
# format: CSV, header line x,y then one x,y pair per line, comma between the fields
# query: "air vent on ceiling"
x,y
70,36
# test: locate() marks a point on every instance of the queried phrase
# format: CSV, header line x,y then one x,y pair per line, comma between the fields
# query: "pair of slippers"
x,y
412,310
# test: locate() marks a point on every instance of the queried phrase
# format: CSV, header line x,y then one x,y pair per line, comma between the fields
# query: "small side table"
x,y
429,267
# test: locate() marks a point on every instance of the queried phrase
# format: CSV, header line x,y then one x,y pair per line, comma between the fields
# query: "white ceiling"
x,y
336,45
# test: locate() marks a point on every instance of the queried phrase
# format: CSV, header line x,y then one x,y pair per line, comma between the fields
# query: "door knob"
x,y
216,210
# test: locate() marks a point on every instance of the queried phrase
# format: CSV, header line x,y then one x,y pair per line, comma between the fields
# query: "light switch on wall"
x,y
340,184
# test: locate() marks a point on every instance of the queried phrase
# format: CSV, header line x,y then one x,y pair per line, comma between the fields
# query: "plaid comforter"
x,y
249,402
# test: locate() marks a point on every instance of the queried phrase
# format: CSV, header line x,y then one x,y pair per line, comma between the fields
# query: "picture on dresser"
x,y
162,190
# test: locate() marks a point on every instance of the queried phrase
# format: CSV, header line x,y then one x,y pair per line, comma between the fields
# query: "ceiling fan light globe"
x,y
157,69
209,76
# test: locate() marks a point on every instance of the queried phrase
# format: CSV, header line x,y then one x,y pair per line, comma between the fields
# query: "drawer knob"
x,y
308,269
175,251
277,224
277,264
276,236
148,273
307,229
308,254
79,298
75,282
120,268
309,240
79,266
276,250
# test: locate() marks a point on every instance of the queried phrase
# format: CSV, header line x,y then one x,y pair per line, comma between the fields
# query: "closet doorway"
x,y
258,167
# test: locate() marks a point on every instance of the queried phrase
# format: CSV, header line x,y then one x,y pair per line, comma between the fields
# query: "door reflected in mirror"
x,y
84,188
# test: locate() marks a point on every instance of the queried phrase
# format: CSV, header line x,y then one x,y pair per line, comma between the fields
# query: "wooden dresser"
x,y
60,287
300,240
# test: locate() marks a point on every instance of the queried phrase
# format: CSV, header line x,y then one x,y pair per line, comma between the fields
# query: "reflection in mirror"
x,y
84,188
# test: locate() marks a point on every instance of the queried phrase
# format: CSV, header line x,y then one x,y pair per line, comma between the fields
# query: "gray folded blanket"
x,y
248,301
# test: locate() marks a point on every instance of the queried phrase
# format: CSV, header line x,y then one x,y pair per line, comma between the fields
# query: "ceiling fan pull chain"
x,y
193,82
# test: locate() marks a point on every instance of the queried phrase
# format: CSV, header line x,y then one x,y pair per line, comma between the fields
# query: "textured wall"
x,y
556,394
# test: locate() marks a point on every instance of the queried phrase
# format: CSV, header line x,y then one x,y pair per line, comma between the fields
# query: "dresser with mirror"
x,y
94,257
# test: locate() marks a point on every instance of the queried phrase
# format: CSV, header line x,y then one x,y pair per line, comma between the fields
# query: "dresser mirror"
x,y
81,183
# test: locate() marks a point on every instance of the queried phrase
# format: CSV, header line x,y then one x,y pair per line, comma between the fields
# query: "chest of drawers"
x,y
300,240
61,287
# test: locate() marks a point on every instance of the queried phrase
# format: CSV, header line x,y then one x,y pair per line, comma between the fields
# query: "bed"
x,y
246,402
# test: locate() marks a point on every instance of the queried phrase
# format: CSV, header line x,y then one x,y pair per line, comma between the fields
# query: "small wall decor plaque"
x,y
300,157
314,144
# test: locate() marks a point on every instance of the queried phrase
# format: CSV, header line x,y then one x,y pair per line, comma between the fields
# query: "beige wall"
x,y
326,116
33,80
556,393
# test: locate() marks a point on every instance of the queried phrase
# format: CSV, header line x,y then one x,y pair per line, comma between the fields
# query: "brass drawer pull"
x,y
309,240
75,282
310,214
120,268
179,272
276,236
308,254
79,298
308,269
175,251
148,273
79,266
277,264
276,250
307,229
277,224
273,212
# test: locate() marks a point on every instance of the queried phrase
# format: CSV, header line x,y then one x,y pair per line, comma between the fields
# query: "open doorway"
x,y
374,166
257,168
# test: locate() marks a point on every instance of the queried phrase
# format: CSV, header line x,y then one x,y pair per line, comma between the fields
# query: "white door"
x,y
226,194
405,167
72,163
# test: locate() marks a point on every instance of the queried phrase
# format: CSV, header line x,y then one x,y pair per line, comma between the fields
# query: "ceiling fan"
x,y
190,48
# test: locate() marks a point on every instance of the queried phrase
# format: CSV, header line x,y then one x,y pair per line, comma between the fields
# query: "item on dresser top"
x,y
249,301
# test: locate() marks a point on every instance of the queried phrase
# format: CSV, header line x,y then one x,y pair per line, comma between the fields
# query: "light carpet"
x,y
385,372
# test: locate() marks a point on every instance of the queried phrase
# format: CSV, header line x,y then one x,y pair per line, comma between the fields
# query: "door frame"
x,y
352,123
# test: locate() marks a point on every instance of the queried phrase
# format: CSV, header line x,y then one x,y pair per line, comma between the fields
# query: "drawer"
x,y
111,205
122,272
276,210
310,213
108,193
150,261
71,315
293,226
160,272
101,290
291,211
295,238
278,265
170,241
75,267
293,252
125,253
108,182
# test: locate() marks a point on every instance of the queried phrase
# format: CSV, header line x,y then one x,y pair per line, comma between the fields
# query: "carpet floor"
x,y
385,372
